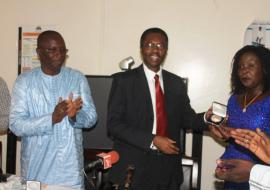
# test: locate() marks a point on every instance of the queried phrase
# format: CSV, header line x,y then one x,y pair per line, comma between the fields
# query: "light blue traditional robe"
x,y
51,154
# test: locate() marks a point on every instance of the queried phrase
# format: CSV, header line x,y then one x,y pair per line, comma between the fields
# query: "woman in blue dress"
x,y
249,104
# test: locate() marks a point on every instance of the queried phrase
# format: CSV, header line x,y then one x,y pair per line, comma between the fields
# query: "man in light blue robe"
x,y
50,105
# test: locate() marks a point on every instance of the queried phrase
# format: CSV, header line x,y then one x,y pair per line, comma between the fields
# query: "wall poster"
x,y
27,56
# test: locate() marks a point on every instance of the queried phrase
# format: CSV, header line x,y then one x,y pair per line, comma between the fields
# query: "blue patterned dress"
x,y
257,115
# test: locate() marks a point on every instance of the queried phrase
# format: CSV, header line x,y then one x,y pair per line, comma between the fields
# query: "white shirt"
x,y
151,83
260,177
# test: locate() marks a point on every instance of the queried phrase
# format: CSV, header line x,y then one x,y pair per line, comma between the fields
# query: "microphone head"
x,y
109,158
114,156
126,63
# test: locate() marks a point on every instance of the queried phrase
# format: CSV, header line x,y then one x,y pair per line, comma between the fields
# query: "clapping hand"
x,y
59,111
257,142
67,107
73,106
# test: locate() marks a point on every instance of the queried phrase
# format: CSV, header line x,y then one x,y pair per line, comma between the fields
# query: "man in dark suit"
x,y
134,119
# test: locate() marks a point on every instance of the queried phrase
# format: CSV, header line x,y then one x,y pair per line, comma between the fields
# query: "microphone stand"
x,y
128,180
90,185
94,179
130,173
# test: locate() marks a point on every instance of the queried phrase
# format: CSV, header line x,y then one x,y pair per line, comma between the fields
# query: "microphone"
x,y
103,161
126,63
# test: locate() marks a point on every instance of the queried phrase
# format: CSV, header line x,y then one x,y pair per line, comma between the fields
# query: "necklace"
x,y
250,102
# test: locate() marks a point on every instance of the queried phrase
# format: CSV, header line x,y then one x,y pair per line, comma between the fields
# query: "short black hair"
x,y
44,36
263,55
154,30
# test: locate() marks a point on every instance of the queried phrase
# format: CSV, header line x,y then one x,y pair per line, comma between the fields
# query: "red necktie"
x,y
162,121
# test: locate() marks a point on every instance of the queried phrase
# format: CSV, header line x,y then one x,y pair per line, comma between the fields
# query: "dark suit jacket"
x,y
130,120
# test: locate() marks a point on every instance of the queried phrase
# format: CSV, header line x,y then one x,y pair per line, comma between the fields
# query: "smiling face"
x,y
52,53
250,71
154,50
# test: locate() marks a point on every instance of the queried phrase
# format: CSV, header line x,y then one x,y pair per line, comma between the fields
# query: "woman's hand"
x,y
257,142
221,133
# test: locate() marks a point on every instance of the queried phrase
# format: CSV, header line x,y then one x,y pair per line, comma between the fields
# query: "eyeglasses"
x,y
150,45
54,50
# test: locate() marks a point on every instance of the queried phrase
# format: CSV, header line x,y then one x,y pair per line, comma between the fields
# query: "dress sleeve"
x,y
259,177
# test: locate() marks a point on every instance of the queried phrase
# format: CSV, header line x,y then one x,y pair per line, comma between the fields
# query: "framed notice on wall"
x,y
258,34
27,56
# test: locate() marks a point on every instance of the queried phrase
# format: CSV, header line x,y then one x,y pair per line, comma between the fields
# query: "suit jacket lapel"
x,y
144,87
144,92
167,94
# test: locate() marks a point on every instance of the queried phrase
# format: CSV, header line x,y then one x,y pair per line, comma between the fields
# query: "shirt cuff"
x,y
204,118
152,146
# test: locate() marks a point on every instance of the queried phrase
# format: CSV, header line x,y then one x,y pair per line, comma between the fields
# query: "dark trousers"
x,y
157,174
236,186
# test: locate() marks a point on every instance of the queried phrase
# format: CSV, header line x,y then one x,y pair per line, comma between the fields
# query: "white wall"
x,y
203,34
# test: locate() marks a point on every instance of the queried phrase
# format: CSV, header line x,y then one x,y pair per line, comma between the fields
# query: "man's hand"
x,y
73,106
59,111
209,113
257,142
233,170
165,145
